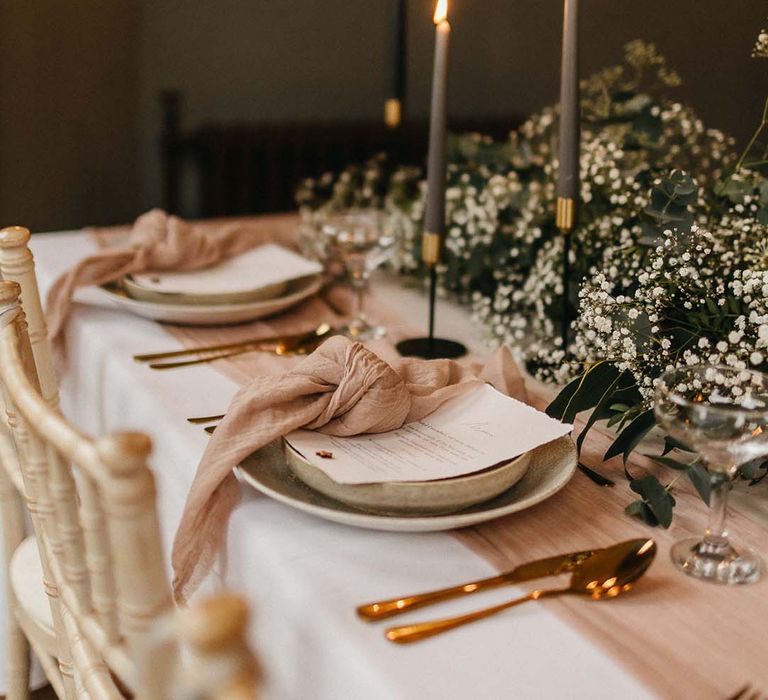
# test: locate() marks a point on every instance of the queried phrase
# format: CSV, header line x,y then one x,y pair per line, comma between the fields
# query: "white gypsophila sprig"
x,y
693,304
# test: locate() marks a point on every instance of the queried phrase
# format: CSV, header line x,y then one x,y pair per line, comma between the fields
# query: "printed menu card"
x,y
466,434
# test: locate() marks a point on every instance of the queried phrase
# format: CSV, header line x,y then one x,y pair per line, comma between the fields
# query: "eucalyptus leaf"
x,y
671,444
583,393
701,479
640,510
629,438
669,202
603,404
598,478
658,499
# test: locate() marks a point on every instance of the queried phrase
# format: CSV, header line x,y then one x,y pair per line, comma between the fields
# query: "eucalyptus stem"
x,y
763,123
669,486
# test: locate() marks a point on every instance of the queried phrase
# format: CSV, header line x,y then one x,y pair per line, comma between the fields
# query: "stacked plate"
x,y
263,281
436,497
475,448
281,473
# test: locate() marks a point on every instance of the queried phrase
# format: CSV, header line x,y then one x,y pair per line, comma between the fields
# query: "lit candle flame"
x,y
441,11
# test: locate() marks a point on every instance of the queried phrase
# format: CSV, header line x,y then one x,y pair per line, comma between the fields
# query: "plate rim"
x,y
419,523
318,270
314,283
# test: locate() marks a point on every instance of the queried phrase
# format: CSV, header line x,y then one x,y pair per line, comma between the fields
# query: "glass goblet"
x,y
722,414
362,241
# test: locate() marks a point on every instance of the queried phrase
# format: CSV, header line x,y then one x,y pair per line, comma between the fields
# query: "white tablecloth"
x,y
304,576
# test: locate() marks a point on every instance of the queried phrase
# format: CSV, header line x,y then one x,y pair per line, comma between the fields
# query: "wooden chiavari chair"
x,y
17,265
75,594
96,531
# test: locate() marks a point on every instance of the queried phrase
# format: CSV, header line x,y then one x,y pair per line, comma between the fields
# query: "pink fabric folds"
x,y
341,389
157,242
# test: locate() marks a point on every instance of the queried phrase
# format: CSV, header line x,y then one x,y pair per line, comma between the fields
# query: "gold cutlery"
x,y
551,566
606,574
202,420
298,344
321,330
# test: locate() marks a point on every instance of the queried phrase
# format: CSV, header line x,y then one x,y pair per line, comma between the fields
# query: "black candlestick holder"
x,y
431,348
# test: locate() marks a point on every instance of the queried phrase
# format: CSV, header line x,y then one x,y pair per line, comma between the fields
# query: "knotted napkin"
x,y
340,389
157,242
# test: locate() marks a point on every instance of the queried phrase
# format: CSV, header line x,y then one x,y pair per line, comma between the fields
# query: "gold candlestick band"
x,y
565,217
393,113
430,248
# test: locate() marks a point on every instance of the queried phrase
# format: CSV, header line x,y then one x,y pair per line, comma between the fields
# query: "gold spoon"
x,y
606,574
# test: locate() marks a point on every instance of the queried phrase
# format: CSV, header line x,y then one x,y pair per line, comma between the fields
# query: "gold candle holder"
x,y
430,248
393,112
565,216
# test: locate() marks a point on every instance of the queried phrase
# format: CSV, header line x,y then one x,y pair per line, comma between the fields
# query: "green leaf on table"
x,y
630,437
656,497
701,480
598,478
671,444
640,510
584,392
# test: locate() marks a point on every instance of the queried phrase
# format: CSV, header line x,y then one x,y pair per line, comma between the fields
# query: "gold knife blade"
x,y
549,566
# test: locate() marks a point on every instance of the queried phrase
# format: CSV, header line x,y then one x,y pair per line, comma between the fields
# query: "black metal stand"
x,y
431,348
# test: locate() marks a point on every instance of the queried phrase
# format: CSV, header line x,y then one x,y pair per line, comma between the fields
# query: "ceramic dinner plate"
x,y
259,274
551,467
216,314
435,497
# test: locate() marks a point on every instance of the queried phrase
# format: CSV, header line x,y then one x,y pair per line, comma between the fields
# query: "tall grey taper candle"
x,y
568,173
434,220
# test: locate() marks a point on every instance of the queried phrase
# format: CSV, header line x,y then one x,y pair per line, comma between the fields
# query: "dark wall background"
x,y
79,116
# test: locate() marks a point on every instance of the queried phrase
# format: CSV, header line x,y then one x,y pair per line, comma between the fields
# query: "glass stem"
x,y
717,535
359,284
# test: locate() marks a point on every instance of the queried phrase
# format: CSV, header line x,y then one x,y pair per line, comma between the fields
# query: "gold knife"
x,y
300,344
322,330
551,566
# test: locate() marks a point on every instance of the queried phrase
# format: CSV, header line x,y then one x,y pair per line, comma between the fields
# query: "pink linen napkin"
x,y
157,242
340,389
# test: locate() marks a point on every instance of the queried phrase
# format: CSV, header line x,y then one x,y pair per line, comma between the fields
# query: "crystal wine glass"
x,y
363,241
722,414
